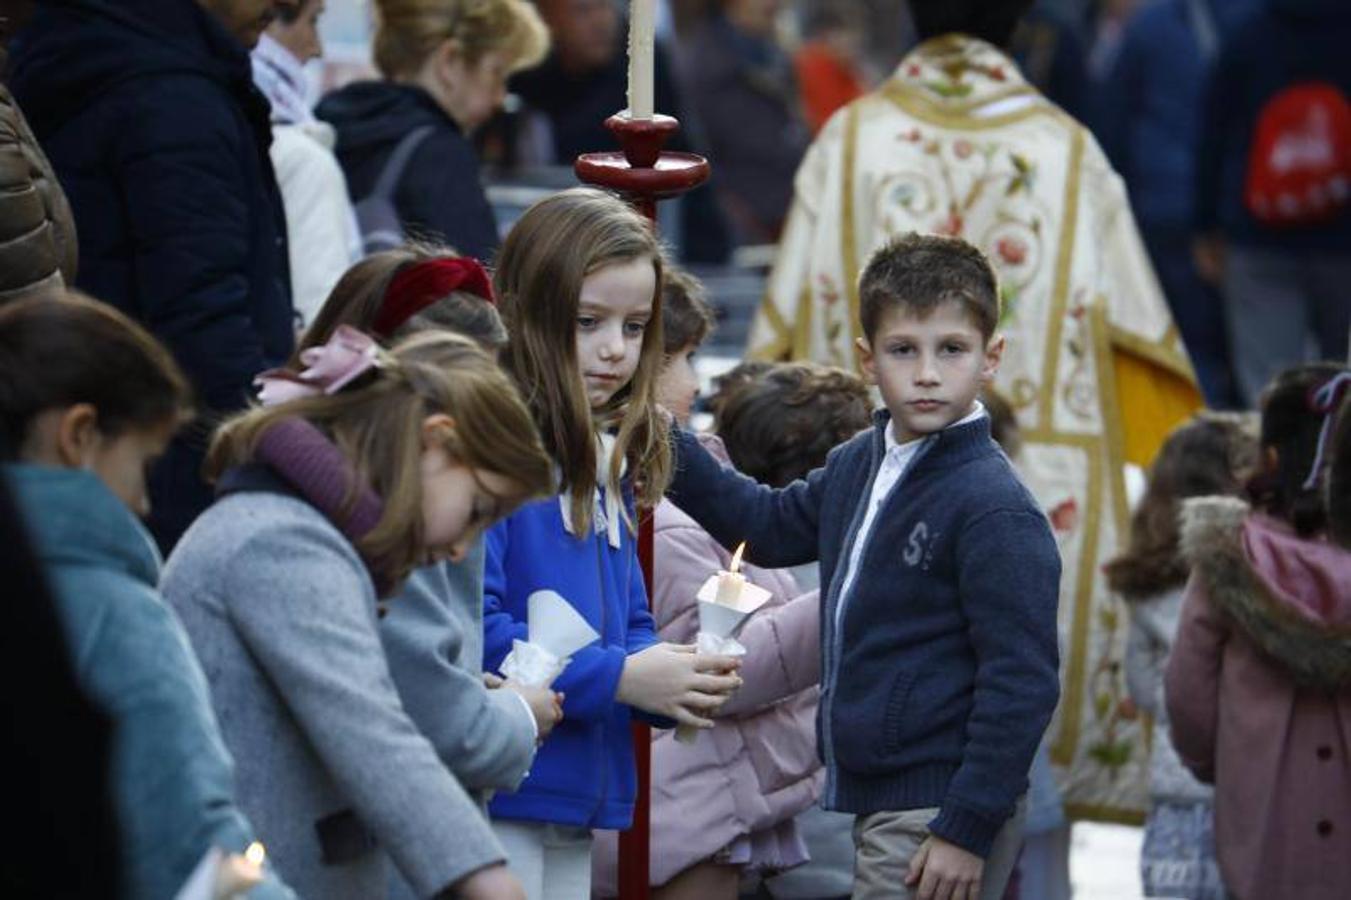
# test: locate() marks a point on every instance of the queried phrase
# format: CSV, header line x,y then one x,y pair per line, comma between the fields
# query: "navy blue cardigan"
x,y
943,675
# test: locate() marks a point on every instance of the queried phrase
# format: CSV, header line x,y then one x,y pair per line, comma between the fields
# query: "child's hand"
x,y
490,883
944,870
547,705
493,681
672,681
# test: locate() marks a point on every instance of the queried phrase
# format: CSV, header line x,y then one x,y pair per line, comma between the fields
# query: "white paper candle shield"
x,y
718,625
556,632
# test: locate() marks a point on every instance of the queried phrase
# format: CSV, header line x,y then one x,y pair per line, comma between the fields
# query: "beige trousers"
x,y
885,842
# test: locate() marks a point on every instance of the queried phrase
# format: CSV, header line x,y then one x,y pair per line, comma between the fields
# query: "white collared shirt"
x,y
895,460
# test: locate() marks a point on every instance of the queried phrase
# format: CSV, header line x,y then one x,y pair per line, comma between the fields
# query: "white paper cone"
x,y
556,626
715,645
531,665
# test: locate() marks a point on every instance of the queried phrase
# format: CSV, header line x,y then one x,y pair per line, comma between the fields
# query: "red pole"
x,y
644,174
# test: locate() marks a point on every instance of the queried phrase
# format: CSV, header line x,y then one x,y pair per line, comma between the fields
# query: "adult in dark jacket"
x,y
148,113
445,69
1283,285
1148,113
742,87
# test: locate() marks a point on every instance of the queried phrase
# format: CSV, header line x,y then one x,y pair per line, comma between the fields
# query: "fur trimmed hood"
x,y
1290,596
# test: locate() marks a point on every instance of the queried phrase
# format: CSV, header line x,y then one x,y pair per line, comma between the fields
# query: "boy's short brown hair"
x,y
920,272
686,317
780,422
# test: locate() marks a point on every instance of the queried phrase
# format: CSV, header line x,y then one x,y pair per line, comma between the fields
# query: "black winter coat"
x,y
147,111
440,196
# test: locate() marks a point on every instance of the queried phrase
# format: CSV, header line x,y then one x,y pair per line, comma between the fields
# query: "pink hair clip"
x,y
346,356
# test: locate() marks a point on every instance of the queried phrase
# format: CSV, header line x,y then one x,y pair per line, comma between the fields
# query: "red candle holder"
x,y
641,170
643,173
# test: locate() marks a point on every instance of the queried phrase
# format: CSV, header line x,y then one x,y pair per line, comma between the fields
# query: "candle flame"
x,y
736,558
255,853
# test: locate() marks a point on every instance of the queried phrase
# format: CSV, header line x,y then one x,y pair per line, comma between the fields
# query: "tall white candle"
x,y
642,30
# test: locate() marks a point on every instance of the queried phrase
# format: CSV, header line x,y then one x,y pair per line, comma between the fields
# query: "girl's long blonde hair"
x,y
550,250
408,31
378,424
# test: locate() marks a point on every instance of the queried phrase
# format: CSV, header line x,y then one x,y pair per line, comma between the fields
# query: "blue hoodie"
x,y
1288,41
584,775
172,778
1149,108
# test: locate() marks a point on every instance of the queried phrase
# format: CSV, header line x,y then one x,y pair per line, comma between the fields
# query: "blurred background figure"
x,y
829,64
404,139
1148,113
743,91
147,111
320,229
1273,192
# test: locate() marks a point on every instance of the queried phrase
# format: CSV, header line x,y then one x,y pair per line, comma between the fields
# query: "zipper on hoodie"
x,y
836,616
605,723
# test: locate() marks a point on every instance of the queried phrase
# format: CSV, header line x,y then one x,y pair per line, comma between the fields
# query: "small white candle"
x,y
732,581
240,873
642,32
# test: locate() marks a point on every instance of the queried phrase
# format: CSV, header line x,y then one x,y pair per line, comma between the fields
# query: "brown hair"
x,y
1208,455
1291,426
355,300
377,423
550,250
920,272
408,31
1339,477
781,424
686,317
62,348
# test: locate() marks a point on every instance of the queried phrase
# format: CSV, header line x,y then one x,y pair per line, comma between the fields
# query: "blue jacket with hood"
x,y
1286,42
584,774
172,779
1149,108
149,115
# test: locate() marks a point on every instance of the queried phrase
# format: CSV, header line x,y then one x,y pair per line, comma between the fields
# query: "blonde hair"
x,y
550,250
379,428
408,31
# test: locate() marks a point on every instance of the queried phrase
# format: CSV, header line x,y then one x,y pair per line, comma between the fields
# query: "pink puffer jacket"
x,y
758,767
1259,695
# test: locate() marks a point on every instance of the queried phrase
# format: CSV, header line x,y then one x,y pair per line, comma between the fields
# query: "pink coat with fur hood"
x,y
1259,694
757,768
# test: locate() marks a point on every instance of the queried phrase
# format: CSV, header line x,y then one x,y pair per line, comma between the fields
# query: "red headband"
x,y
419,286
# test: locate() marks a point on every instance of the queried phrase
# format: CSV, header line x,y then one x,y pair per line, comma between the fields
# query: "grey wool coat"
x,y
433,638
282,613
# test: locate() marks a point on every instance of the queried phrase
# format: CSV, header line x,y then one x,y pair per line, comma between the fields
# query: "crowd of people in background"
x,y
295,431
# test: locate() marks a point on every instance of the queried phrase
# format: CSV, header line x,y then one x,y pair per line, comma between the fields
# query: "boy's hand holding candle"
x,y
726,601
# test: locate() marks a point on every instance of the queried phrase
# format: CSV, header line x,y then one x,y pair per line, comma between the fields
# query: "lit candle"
x,y
732,581
642,31
238,874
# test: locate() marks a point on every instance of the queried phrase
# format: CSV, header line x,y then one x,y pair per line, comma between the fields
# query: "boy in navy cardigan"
x,y
940,579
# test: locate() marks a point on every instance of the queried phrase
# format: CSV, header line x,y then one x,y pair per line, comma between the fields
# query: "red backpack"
x,y
1299,167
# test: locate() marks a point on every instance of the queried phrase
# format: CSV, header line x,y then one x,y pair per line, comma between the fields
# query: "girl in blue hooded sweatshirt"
x,y
87,400
579,284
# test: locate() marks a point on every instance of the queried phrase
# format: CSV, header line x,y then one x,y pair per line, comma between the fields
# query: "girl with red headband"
x,y
432,631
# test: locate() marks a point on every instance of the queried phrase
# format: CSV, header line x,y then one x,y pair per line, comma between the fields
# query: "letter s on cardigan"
x,y
914,548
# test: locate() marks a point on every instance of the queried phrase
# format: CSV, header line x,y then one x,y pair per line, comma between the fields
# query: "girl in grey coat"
x,y
1200,458
357,469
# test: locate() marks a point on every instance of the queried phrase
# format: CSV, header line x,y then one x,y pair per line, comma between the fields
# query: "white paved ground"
x,y
1104,862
